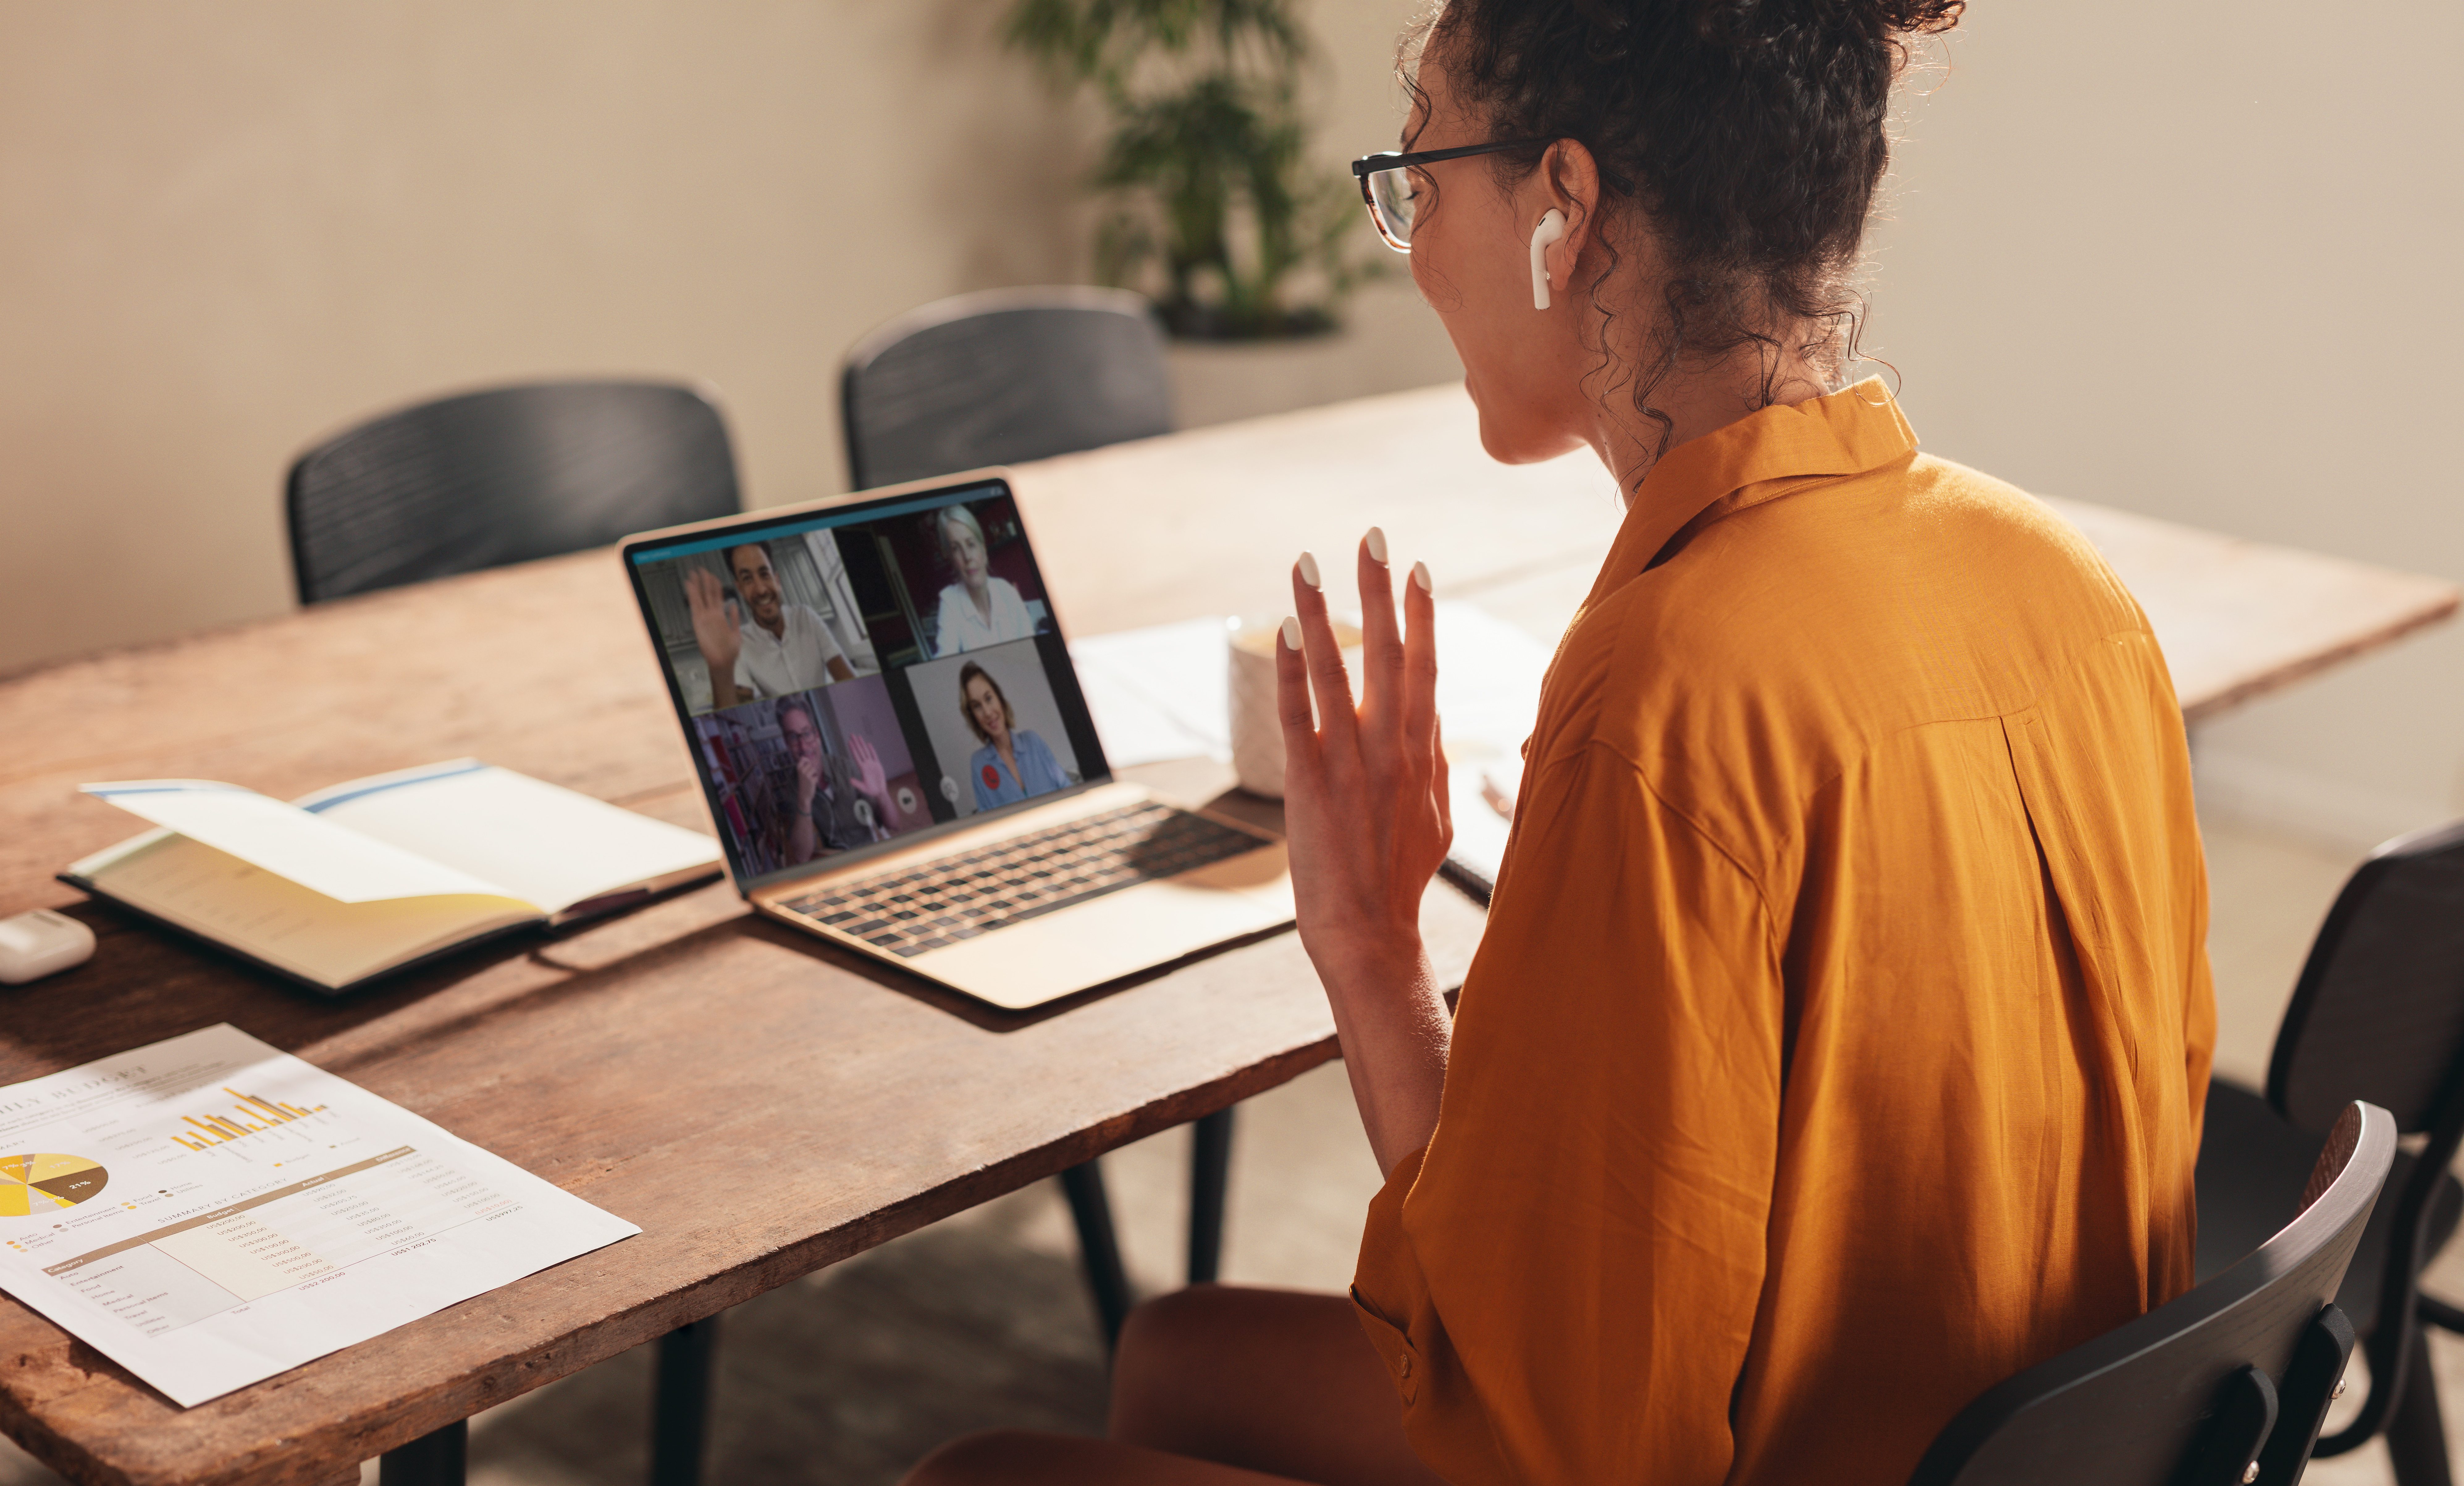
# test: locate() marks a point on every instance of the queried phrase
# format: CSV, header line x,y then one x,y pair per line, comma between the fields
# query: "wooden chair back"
x,y
2227,1385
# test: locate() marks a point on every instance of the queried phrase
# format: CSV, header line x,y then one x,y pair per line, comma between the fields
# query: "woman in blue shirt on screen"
x,y
1014,764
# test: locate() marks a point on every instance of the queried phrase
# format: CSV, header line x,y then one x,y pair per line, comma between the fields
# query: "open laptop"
x,y
898,758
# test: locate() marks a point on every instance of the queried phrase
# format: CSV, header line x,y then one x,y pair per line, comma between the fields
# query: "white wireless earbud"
x,y
1553,225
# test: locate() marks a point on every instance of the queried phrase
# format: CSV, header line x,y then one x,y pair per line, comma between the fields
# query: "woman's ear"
x,y
1569,189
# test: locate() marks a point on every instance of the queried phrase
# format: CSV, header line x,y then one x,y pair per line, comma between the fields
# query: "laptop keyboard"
x,y
957,897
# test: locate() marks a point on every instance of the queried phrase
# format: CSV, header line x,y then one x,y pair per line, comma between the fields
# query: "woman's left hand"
x,y
1365,811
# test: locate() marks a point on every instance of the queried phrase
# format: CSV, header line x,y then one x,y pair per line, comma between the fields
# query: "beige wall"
x,y
226,229
2189,258
2198,258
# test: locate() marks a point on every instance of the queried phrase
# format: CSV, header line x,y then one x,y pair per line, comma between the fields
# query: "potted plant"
x,y
1214,212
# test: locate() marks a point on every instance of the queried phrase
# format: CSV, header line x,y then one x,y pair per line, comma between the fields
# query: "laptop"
x,y
899,759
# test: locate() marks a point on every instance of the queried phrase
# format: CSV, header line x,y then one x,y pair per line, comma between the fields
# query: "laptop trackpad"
x,y
1118,934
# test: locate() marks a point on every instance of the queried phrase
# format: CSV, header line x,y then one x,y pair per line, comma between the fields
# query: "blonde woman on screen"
x,y
978,610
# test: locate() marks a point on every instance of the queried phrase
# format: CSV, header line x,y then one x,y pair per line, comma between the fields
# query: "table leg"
x,y
680,1417
435,1459
1107,1279
1210,1179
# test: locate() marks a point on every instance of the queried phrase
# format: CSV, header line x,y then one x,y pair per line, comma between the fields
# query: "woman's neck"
x,y
980,593
1631,443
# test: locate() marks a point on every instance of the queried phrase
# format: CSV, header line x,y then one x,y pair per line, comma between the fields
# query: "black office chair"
x,y
2226,1385
1003,377
2378,1015
999,378
504,476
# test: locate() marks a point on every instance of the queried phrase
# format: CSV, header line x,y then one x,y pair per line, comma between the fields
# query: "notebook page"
x,y
317,854
218,896
550,845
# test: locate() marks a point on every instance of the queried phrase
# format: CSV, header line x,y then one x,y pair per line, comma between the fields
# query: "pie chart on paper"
x,y
47,1183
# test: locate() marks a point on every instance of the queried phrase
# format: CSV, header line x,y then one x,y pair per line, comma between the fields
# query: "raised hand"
x,y
718,629
1366,815
869,778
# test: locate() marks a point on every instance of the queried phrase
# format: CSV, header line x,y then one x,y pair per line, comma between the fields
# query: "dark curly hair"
x,y
1749,134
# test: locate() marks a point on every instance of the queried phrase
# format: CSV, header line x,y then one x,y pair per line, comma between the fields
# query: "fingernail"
x,y
1420,576
1291,633
1309,572
1376,541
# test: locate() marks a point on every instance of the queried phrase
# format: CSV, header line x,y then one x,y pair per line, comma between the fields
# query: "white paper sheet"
x,y
285,840
1488,697
1160,693
209,1211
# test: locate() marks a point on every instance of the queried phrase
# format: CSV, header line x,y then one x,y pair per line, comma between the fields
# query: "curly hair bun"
x,y
1774,20
1917,17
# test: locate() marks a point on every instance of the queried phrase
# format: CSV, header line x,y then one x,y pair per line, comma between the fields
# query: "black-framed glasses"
x,y
1386,183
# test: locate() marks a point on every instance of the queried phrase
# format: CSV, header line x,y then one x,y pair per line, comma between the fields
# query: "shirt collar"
x,y
1853,430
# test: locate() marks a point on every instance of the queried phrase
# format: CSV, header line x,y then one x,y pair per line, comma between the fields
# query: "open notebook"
x,y
373,876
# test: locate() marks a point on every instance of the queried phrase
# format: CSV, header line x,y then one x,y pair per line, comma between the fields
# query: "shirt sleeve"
x,y
1035,757
1010,619
1563,1284
948,637
829,644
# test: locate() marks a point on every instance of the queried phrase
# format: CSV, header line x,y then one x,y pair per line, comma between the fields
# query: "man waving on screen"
x,y
786,649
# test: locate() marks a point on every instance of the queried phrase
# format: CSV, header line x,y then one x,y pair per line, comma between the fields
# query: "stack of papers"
x,y
1163,693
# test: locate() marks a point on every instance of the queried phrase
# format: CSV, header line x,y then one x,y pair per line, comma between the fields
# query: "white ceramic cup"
x,y
1257,731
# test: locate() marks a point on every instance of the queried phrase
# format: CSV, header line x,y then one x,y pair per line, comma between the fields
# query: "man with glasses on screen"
x,y
828,804
786,649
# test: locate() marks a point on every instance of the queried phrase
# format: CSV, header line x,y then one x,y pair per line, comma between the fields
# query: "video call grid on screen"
x,y
896,667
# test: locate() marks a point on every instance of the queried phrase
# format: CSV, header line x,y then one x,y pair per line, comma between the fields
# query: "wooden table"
x,y
760,1104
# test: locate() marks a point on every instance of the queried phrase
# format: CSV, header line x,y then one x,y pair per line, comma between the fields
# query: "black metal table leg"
x,y
436,1460
1210,1180
1107,1279
680,1407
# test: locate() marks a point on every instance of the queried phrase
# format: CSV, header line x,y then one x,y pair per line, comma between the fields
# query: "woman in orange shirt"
x,y
1839,1040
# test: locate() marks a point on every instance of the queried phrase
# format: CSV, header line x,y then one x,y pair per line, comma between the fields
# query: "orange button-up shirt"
x,y
1839,1039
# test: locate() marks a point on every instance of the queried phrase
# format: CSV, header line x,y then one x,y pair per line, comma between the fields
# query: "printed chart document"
x,y
209,1211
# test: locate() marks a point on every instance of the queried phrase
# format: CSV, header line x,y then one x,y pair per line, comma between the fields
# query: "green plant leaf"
x,y
1215,207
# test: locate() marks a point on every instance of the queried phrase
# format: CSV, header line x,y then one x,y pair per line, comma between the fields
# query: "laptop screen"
x,y
849,678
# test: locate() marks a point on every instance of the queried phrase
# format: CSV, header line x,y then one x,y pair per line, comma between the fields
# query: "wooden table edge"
x,y
2253,688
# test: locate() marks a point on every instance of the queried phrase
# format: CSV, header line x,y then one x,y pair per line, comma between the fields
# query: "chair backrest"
x,y
1003,377
2379,1010
2237,1372
504,476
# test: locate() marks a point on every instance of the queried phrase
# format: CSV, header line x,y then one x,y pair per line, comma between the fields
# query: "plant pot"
x,y
1218,381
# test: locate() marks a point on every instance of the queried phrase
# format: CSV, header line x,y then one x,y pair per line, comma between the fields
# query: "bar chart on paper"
x,y
217,1129
235,1212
